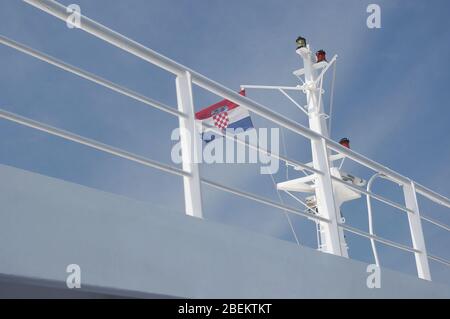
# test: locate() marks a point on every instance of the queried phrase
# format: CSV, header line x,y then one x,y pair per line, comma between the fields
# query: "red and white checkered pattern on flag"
x,y
221,120
222,115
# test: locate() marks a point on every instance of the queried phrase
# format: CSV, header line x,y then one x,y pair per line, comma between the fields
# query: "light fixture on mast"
x,y
301,42
345,142
321,55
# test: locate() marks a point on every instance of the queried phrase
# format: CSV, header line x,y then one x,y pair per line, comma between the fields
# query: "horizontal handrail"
x,y
378,239
89,76
318,218
307,215
435,222
102,32
137,49
90,143
142,160
439,259
262,200
134,95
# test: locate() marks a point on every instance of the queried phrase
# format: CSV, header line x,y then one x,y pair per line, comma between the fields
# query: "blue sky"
x,y
391,100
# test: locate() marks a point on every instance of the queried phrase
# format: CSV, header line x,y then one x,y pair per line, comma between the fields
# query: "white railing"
x,y
185,78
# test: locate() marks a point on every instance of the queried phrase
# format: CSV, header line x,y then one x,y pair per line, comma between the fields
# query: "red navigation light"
x,y
321,55
345,142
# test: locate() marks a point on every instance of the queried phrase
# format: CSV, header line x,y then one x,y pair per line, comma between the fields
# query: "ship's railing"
x,y
185,78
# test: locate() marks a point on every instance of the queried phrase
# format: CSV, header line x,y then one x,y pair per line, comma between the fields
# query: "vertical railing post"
x,y
190,146
415,226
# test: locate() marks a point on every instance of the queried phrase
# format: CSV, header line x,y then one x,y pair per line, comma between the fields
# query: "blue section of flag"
x,y
245,124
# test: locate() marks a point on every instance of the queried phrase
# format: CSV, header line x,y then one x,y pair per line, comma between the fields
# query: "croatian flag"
x,y
223,115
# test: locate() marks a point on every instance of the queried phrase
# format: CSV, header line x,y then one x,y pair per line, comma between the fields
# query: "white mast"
x,y
328,195
331,237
